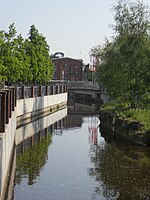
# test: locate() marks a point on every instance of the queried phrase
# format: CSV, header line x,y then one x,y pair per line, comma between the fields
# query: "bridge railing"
x,y
9,97
82,85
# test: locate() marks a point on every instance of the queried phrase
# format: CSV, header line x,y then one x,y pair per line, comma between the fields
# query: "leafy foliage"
x,y
24,61
125,61
37,49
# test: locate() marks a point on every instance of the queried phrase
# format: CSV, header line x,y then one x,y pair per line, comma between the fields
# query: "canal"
x,y
66,156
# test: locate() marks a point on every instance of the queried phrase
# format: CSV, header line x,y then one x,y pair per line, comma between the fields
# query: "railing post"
x,y
60,88
10,103
23,92
52,89
64,89
56,89
32,91
8,115
40,91
13,98
3,111
47,91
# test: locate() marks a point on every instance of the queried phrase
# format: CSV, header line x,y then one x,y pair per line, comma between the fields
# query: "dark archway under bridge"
x,y
84,90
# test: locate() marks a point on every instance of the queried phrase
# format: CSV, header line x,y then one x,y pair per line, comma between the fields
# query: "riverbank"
x,y
131,124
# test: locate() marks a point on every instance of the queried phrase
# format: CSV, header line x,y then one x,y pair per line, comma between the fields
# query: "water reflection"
x,y
82,108
68,156
29,164
32,142
95,137
120,174
40,126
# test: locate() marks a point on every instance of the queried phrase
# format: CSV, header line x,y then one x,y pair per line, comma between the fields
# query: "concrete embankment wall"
x,y
6,151
32,108
8,121
19,106
25,132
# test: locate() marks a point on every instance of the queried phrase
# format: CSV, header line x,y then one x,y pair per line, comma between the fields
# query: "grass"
x,y
141,115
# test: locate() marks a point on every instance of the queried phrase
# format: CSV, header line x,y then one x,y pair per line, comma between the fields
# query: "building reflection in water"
x,y
95,137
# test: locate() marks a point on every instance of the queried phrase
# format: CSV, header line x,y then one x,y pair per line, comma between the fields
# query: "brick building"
x,y
67,68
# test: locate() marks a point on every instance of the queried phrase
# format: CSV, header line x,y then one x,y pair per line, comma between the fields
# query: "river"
x,y
66,156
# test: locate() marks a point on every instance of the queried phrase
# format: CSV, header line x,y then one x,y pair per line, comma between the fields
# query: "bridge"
x,y
81,89
85,90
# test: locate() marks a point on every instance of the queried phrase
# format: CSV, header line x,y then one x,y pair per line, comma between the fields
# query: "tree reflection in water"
x,y
30,162
120,174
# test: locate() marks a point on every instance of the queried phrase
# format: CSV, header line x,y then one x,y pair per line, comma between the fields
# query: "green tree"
x,y
23,61
10,59
125,61
37,49
2,67
133,39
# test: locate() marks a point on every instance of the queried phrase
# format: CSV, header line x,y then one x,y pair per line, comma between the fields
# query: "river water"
x,y
66,156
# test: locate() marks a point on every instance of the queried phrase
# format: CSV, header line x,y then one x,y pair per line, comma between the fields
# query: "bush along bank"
x,y
131,124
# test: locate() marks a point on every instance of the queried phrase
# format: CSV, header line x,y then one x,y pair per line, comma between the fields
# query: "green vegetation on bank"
x,y
24,60
140,115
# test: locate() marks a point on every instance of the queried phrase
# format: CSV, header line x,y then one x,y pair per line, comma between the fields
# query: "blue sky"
x,y
72,27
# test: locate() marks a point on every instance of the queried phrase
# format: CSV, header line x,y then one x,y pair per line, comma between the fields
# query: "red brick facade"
x,y
67,69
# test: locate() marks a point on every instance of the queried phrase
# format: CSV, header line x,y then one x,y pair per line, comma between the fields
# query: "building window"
x,y
55,67
65,65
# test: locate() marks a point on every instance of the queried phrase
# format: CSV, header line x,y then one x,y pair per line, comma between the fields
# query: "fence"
x,y
9,97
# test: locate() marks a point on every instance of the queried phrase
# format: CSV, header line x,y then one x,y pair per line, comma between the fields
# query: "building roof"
x,y
61,58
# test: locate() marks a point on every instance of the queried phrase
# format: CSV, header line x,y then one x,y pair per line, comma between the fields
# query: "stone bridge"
x,y
83,85
84,90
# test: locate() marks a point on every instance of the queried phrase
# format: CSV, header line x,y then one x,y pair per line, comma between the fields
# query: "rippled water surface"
x,y
73,162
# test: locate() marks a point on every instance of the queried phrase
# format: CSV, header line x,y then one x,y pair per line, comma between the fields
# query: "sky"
x,y
70,26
